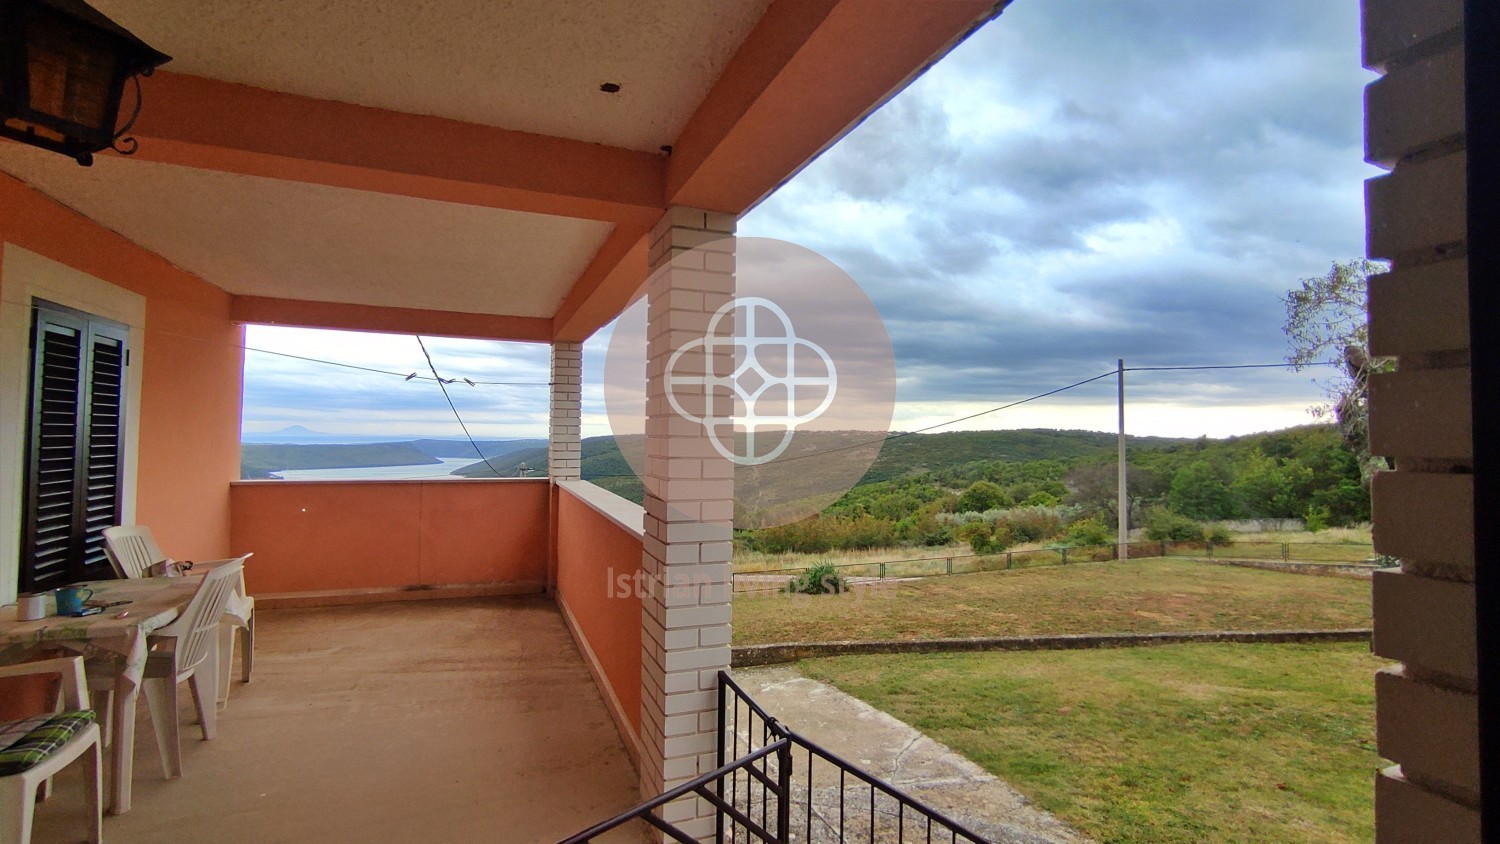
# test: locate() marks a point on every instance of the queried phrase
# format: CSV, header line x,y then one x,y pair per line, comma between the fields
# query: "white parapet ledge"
x,y
626,514
380,481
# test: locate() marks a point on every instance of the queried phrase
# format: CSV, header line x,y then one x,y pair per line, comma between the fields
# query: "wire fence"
x,y
1342,555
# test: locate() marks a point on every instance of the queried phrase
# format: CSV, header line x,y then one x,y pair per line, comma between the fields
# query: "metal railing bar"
x,y
842,787
750,703
767,781
734,813
644,810
889,790
677,834
808,831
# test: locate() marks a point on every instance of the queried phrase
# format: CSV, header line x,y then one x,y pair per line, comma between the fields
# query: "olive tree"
x,y
1327,321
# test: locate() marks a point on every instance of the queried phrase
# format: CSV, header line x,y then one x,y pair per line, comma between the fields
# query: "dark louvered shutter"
x,y
75,455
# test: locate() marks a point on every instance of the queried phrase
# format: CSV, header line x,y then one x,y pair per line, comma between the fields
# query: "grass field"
x,y
1332,545
1117,597
1176,744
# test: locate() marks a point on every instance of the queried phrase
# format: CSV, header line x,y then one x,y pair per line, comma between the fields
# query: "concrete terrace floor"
x,y
433,721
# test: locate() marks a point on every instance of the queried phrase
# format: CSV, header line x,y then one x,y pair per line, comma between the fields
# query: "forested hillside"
x,y
993,487
1299,473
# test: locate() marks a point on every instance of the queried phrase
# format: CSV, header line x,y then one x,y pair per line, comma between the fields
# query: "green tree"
x,y
982,496
1269,488
1200,490
1095,486
1326,318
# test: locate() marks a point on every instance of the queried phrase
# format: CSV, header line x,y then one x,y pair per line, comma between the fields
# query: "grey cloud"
x,y
1240,123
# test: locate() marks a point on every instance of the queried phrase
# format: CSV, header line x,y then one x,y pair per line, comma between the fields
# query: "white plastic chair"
x,y
132,550
239,618
193,656
18,792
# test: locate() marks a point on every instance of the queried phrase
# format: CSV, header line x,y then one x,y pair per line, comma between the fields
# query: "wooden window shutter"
x,y
75,455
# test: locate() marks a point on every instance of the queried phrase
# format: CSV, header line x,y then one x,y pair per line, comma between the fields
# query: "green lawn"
x,y
1178,743
1118,597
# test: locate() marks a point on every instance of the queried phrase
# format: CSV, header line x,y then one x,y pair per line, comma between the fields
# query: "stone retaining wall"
x,y
745,656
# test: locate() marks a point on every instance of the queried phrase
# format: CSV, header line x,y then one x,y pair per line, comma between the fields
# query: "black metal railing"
x,y
707,787
774,785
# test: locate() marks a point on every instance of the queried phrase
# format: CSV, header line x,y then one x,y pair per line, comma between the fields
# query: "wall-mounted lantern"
x,y
63,71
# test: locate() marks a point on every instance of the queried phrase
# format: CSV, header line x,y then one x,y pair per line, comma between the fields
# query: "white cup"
x,y
31,607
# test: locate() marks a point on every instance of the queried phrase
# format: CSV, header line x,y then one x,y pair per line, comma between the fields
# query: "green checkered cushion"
x,y
42,741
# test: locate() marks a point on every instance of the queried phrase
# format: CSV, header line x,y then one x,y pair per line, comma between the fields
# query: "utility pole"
x,y
1123,505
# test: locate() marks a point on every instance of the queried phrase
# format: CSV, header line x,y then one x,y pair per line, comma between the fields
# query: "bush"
x,y
984,537
981,496
1162,525
820,579
1090,532
1317,519
1031,524
1041,498
1219,535
821,534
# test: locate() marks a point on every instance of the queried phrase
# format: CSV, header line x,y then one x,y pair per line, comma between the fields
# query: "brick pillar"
x,y
689,520
567,392
1426,707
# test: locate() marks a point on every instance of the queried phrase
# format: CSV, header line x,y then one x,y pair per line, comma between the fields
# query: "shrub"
x,y
985,537
1317,519
1219,535
1090,532
1041,498
819,579
981,496
1032,524
1164,525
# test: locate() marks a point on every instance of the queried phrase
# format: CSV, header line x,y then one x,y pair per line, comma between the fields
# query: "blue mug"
x,y
70,599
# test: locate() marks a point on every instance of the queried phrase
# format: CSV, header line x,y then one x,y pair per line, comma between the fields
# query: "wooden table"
x,y
154,603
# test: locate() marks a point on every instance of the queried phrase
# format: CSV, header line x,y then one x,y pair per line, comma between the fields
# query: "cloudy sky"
x,y
1082,180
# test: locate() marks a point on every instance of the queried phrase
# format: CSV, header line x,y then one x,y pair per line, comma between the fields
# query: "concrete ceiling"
x,y
528,65
256,236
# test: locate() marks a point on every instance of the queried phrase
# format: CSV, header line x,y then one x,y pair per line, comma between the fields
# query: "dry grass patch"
x,y
1150,596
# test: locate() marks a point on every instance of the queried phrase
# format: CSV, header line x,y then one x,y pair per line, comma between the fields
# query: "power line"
x,y
1036,397
443,385
899,435
1231,366
407,376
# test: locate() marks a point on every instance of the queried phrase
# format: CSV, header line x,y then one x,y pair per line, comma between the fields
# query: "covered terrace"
x,y
498,170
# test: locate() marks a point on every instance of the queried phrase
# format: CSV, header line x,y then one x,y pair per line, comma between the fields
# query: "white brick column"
x,y
1426,707
689,519
567,395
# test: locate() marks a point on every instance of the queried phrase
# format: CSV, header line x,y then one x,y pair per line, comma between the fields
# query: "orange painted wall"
x,y
314,536
191,369
589,546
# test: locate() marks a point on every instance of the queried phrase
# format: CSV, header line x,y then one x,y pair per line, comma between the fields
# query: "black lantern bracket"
x,y
63,71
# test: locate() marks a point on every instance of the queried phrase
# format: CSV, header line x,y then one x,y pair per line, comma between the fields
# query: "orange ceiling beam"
x,y
216,125
261,310
606,287
809,72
